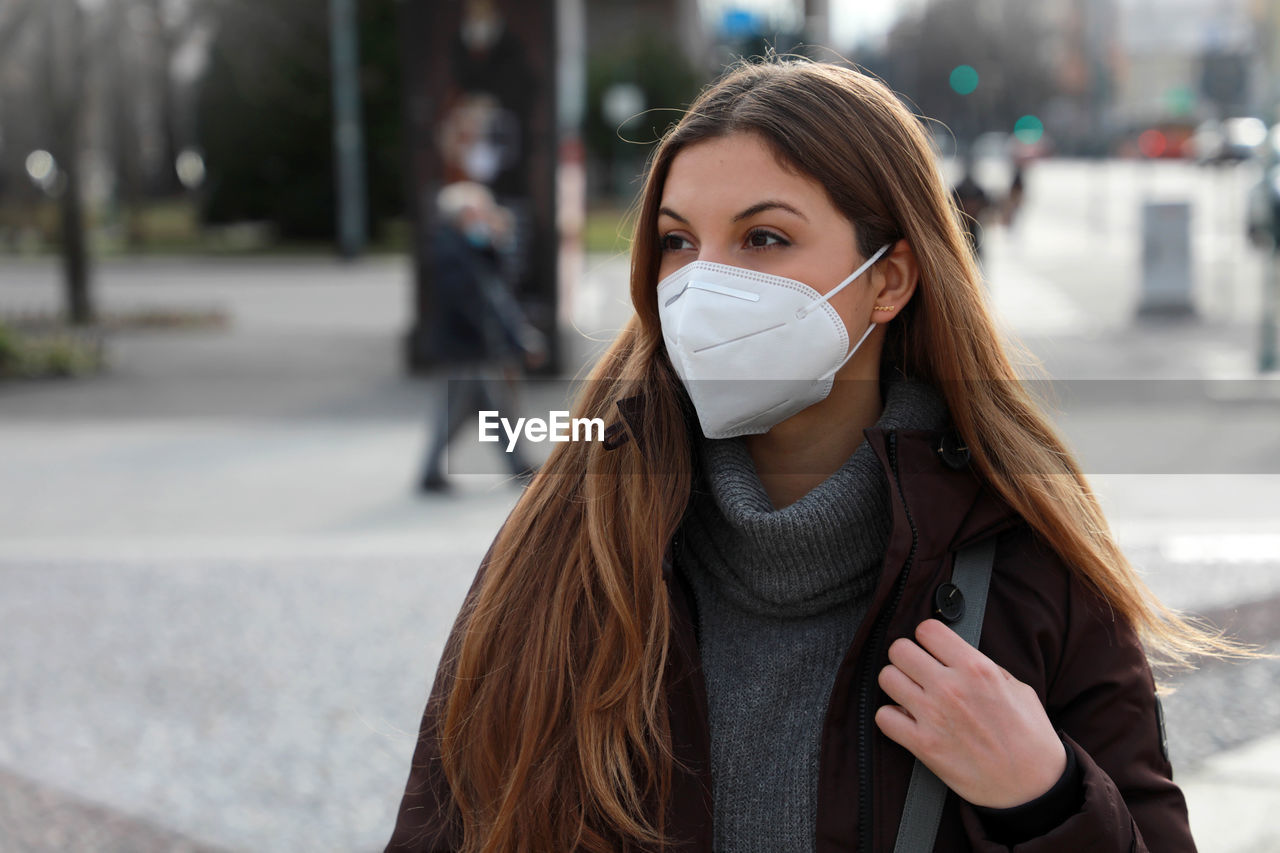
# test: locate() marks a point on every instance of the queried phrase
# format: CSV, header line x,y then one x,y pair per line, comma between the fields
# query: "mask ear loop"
x,y
801,313
836,369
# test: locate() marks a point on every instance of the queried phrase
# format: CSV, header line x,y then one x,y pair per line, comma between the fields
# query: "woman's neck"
x,y
802,451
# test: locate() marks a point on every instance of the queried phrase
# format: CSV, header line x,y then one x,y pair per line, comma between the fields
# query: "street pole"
x,y
348,130
66,70
1267,360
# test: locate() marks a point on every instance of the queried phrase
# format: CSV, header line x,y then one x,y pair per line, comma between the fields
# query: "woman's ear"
x,y
896,276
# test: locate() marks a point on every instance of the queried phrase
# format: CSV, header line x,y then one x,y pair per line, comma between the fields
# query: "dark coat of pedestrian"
x,y
974,204
1017,192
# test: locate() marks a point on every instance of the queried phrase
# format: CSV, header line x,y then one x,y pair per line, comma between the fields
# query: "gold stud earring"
x,y
884,307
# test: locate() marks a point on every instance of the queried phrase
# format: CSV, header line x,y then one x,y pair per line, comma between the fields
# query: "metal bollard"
x,y
1166,260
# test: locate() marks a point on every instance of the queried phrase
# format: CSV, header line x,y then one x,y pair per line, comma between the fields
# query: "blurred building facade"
x,y
1266,20
1124,65
1085,54
1186,59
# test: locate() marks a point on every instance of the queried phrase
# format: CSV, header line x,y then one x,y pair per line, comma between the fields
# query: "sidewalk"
x,y
1234,797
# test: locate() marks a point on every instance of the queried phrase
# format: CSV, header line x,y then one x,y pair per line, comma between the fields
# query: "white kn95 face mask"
x,y
752,349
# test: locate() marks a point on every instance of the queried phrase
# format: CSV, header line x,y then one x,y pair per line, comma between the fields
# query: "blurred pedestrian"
x,y
482,331
728,626
974,203
1013,199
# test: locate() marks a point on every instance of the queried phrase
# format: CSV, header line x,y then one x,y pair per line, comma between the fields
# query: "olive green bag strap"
x,y
926,793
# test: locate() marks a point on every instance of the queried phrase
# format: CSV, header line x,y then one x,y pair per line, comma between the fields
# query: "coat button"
x,y
948,603
954,454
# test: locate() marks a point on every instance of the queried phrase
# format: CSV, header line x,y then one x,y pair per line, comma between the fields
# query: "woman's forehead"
x,y
734,171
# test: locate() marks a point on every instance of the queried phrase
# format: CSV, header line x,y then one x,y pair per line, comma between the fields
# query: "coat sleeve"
x,y
1103,702
424,823
456,319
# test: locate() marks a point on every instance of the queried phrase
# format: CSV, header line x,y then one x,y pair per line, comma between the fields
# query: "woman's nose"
x,y
715,256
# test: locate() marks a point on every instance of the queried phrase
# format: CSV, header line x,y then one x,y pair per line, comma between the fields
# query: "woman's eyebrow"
x,y
758,207
768,204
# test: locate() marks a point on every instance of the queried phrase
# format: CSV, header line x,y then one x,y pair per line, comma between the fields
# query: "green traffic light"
x,y
1028,129
964,79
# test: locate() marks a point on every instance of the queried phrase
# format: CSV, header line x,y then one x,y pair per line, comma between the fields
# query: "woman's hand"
x,y
980,730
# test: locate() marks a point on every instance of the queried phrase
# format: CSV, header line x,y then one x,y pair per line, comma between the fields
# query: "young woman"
x,y
718,630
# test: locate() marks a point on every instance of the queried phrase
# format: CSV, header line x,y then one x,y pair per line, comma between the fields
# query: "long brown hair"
x,y
554,733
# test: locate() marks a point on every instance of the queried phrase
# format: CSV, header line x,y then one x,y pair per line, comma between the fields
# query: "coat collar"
x,y
939,496
939,488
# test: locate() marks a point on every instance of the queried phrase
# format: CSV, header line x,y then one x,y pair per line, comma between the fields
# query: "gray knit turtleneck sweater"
x,y
780,594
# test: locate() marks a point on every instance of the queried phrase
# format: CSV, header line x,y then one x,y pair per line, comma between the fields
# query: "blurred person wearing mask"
x,y
1014,199
484,334
974,203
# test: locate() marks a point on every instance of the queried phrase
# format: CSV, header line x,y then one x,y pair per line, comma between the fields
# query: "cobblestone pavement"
x,y
255,703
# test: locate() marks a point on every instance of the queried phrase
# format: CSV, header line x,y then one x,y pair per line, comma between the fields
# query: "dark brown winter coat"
x,y
1042,625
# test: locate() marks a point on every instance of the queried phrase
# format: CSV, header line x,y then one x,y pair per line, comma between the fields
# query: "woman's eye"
x,y
672,243
765,240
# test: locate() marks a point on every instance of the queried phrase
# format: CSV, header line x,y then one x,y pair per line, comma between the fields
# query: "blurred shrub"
x,y
10,351
264,116
652,62
169,222
61,353
64,357
607,230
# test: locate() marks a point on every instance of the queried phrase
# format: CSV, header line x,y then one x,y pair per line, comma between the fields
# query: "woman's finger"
x,y
897,725
899,687
944,644
918,664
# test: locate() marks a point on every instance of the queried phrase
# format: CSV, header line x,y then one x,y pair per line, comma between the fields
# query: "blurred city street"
x,y
223,599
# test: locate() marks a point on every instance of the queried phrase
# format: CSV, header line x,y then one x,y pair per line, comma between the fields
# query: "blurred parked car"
x,y
995,145
1165,140
1229,141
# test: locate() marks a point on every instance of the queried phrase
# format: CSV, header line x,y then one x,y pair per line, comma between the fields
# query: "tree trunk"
x,y
75,250
169,183
64,41
167,42
125,146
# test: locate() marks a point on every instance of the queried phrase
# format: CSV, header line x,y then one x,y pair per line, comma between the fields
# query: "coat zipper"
x,y
865,715
700,689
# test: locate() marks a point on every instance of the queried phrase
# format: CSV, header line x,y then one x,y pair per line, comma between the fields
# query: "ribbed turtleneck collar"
x,y
825,548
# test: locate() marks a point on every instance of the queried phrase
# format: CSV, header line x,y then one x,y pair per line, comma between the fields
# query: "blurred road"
x,y
223,602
